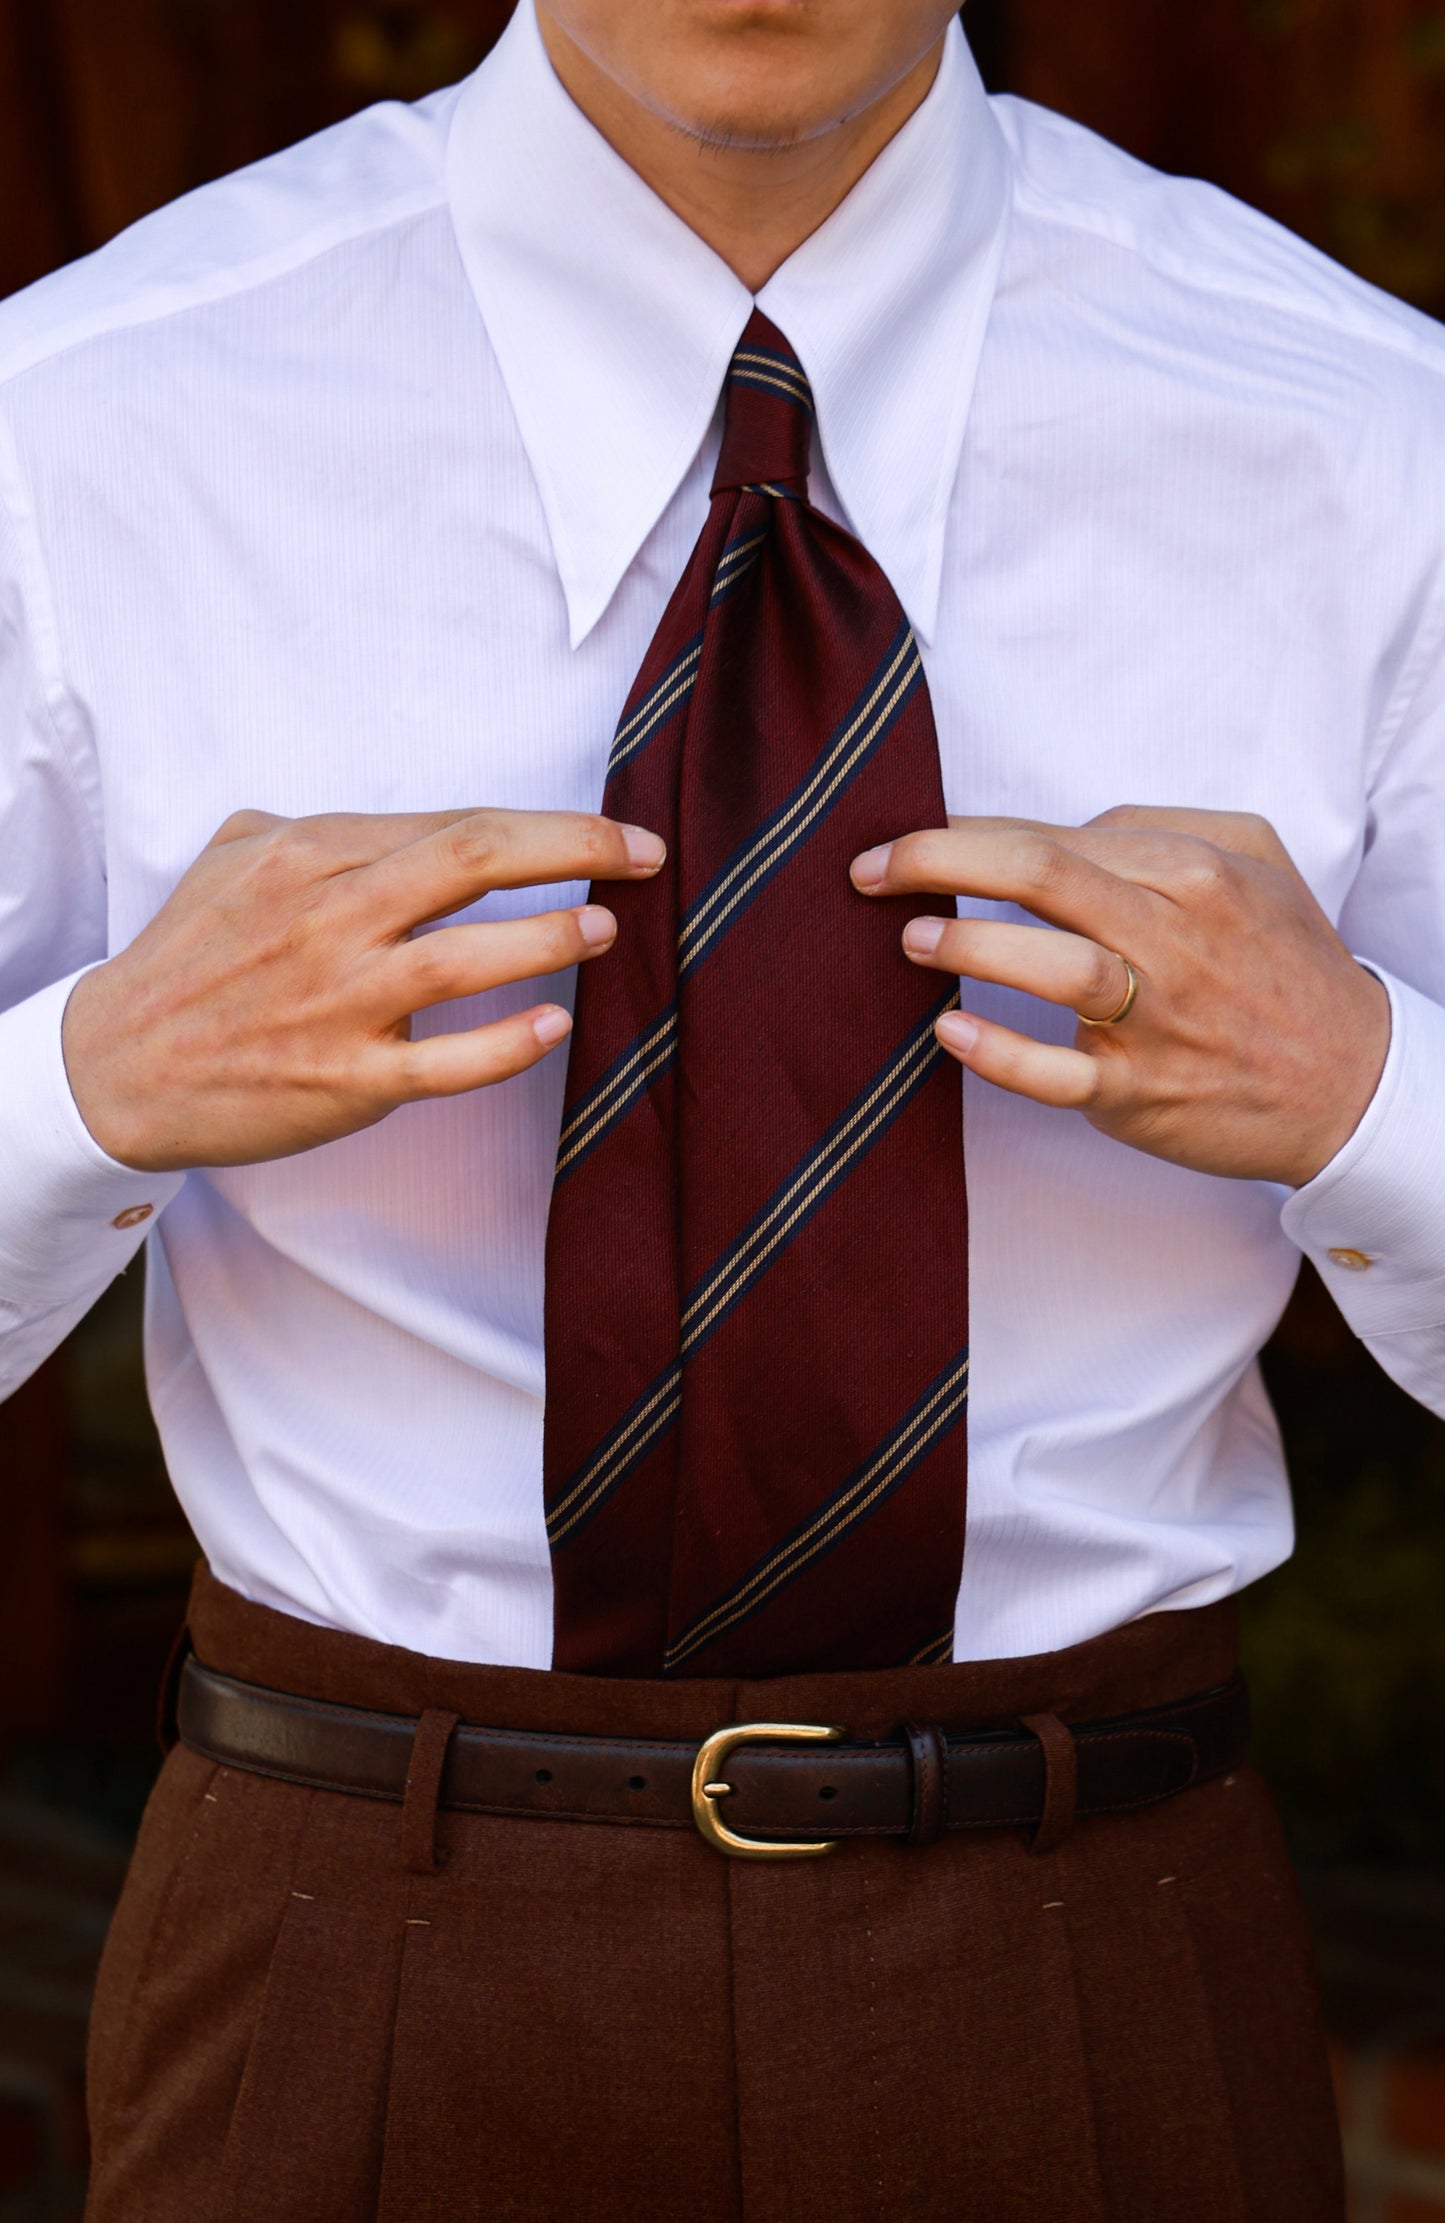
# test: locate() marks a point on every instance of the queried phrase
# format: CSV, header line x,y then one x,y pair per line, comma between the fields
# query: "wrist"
x,y
1359,1050
92,1032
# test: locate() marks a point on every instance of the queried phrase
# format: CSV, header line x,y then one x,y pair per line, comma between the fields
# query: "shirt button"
x,y
1353,1261
133,1217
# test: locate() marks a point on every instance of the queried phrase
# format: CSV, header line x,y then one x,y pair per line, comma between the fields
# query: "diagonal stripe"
x,y
672,691
734,564
847,750
811,1182
937,1652
734,552
922,1427
659,703
761,1242
623,1081
781,366
776,382
616,1091
639,1429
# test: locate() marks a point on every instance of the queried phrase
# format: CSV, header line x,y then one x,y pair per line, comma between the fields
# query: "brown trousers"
x,y
589,2023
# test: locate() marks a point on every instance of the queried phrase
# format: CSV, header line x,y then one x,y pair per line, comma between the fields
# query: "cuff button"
x,y
133,1217
1353,1261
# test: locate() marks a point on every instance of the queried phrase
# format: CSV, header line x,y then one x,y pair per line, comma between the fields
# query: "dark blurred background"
x,y
1330,115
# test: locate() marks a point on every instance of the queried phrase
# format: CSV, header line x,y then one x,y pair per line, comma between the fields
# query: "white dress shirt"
x,y
359,481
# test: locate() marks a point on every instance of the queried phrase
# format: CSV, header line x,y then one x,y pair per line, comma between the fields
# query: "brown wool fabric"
x,y
601,2023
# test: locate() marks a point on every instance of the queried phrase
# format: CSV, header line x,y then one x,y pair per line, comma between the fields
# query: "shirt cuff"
x,y
1373,1221
70,1216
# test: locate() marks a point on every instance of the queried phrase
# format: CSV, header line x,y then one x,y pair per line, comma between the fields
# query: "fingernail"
x,y
957,1032
596,926
645,851
551,1024
921,937
871,869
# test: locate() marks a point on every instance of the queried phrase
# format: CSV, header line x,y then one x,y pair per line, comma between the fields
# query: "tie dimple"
x,y
768,417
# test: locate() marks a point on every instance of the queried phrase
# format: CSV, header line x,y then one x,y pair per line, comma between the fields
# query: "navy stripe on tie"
x,y
670,695
847,750
937,1652
761,1243
658,706
771,373
735,562
639,1429
736,886
812,1182
922,1427
616,1091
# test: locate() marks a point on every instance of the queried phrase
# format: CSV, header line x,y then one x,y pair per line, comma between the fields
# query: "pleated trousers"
x,y
614,2024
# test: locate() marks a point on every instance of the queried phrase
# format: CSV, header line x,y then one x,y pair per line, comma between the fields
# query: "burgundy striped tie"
x,y
757,1363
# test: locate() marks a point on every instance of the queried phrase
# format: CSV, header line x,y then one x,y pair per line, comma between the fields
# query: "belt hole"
x,y
827,1791
544,1775
637,1783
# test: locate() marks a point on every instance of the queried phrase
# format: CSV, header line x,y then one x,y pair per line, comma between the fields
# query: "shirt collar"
x,y
613,323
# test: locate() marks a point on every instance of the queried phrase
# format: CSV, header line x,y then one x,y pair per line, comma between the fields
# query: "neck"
x,y
754,205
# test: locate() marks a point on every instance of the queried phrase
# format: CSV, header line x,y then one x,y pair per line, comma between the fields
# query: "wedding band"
x,y
1125,1007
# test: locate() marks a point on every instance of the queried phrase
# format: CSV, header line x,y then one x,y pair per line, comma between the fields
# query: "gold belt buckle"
x,y
708,1787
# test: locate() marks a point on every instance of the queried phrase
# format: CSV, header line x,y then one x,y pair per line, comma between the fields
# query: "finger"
x,y
1043,1071
477,1057
1180,855
242,824
1243,833
1170,861
1040,868
1061,968
467,960
490,849
337,841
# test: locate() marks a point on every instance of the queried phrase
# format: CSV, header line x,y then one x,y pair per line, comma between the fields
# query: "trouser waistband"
x,y
1156,1705
759,1789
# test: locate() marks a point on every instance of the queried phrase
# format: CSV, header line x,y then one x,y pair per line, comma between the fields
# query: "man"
x,y
718,411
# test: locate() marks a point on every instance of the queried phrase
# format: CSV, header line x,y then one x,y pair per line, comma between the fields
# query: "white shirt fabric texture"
x,y
359,481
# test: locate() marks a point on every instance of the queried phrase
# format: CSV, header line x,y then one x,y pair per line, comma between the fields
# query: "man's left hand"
x,y
1255,1042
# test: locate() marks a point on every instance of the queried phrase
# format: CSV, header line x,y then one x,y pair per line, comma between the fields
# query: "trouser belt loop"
x,y
930,1781
1061,1780
168,1734
423,1791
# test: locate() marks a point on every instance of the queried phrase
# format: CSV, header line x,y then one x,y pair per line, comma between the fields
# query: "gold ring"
x,y
1130,994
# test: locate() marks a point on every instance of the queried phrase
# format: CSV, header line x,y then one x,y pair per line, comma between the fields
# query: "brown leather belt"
x,y
780,1784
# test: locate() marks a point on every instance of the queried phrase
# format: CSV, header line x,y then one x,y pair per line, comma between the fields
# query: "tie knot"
x,y
768,418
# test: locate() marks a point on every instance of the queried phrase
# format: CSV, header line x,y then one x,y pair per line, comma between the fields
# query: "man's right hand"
x,y
267,1006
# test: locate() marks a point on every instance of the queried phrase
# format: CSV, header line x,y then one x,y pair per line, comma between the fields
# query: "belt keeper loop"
x,y
1061,1780
423,1792
929,1754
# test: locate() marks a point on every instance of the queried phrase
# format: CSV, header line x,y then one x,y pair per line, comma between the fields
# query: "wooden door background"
x,y
1329,113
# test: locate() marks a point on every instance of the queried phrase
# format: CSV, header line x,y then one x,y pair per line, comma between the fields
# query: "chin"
x,y
759,117
748,131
